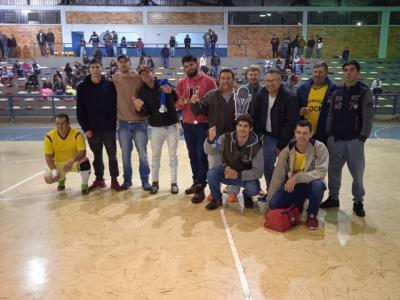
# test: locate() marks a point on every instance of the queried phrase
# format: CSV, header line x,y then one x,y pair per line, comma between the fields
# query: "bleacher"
x,y
15,102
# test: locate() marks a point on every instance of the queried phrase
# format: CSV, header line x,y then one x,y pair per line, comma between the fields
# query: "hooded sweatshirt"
x,y
96,105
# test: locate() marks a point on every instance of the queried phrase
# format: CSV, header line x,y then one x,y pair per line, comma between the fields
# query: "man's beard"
x,y
192,74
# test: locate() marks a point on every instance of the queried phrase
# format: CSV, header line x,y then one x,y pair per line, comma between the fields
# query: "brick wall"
x,y
257,39
74,17
185,18
26,37
363,41
394,42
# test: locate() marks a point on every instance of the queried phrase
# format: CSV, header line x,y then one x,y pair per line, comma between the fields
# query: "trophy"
x,y
242,99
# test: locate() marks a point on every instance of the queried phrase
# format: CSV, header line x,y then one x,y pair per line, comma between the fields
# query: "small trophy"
x,y
242,99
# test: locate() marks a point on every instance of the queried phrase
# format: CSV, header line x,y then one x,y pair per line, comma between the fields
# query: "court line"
x,y
239,266
21,182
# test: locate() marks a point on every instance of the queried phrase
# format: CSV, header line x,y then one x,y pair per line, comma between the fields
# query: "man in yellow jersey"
x,y
299,174
65,151
313,100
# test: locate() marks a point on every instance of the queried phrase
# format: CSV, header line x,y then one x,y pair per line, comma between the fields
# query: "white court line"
x,y
239,266
21,182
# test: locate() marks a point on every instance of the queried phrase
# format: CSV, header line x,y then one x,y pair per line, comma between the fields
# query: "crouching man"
x,y
242,161
300,173
65,151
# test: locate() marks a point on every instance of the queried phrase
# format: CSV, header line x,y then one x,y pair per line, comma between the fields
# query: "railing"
x,y
153,50
29,104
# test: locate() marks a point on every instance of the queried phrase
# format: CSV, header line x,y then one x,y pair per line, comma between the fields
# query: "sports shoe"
x,y
358,208
232,198
61,185
174,188
248,202
115,185
85,189
154,188
214,204
312,222
191,189
126,185
97,184
199,195
146,186
330,202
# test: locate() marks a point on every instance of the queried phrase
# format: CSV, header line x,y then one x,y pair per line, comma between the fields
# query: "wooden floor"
x,y
131,245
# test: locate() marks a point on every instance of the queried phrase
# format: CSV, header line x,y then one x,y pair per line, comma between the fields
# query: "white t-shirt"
x,y
271,101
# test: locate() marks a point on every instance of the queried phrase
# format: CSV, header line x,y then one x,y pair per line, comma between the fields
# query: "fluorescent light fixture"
x,y
262,16
359,23
269,14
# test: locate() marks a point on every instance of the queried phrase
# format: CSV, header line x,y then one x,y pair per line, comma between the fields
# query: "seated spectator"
x,y
56,75
46,91
376,86
25,68
47,84
76,78
32,83
6,76
98,55
299,174
68,72
59,87
69,90
267,64
36,68
345,55
242,161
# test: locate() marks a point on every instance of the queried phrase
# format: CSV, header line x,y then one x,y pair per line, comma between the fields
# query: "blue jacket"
x,y
302,95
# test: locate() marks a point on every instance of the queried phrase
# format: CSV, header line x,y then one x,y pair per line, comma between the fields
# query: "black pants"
x,y
274,52
96,142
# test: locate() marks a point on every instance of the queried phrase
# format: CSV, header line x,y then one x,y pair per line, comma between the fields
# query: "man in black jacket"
x,y
97,115
50,41
275,112
41,39
187,43
157,100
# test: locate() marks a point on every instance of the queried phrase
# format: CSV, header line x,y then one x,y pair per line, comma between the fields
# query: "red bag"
x,y
282,219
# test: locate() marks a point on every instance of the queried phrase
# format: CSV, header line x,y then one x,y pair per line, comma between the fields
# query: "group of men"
x,y
43,39
309,135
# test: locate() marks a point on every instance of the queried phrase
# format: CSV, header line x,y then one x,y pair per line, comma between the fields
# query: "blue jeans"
x,y
207,49
215,177
187,50
51,48
165,61
139,52
313,191
42,49
136,131
215,69
195,135
284,52
269,150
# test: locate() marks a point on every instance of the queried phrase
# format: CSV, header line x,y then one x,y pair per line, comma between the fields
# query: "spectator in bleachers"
x,y
310,46
188,42
68,72
108,42
41,39
267,64
50,41
47,90
2,44
165,56
85,62
348,126
203,63
215,63
313,98
114,36
6,76
124,46
83,47
172,45
207,41
139,47
59,86
146,60
275,46
32,82
302,62
98,54
47,84
12,46
94,39
70,90
295,45
288,63
345,55
16,69
57,74
285,47
195,127
214,40
113,68
25,68
302,44
76,78
36,68
320,45
376,86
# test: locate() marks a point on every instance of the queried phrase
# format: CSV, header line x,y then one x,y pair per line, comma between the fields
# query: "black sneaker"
x,y
126,185
330,202
199,195
192,189
248,202
154,187
174,188
358,208
214,204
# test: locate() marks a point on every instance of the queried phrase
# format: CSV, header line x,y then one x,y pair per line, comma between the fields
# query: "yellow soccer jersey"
x,y
63,149
315,99
299,162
